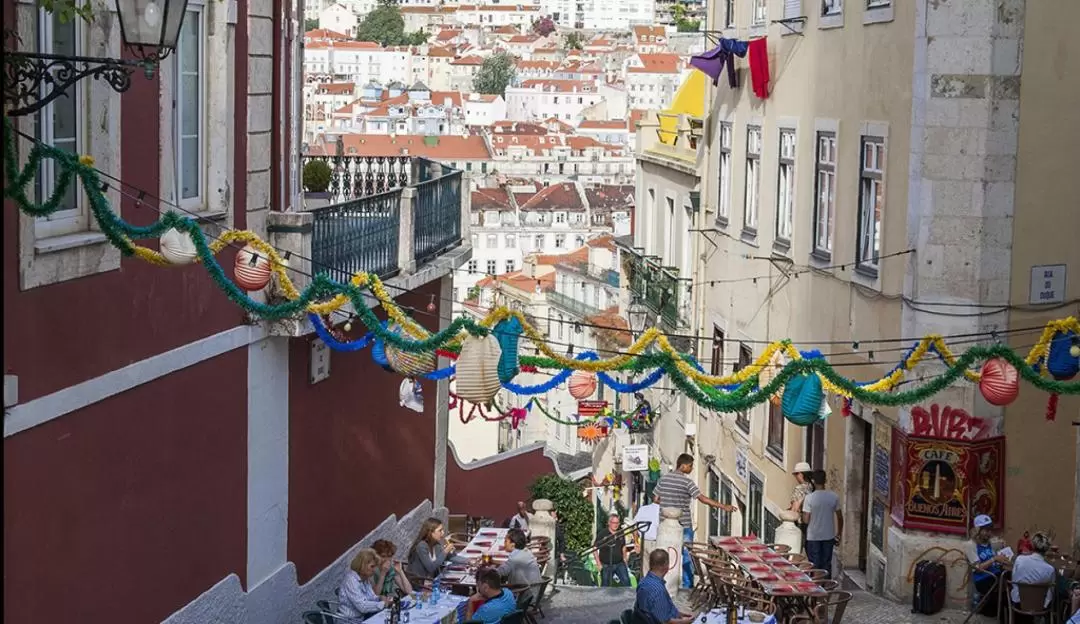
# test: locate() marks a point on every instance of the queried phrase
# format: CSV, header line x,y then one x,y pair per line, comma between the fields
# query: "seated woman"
x,y
428,552
986,565
1033,569
358,599
389,577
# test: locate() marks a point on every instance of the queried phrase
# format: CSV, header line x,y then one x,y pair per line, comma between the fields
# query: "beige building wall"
x,y
1042,480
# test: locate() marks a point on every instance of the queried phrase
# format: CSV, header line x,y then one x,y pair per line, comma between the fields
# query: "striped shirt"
x,y
678,490
653,598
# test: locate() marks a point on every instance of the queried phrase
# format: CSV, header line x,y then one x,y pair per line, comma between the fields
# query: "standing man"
x,y
520,519
676,489
824,523
610,556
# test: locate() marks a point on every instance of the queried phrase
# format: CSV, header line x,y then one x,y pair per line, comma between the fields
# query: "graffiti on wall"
x,y
948,423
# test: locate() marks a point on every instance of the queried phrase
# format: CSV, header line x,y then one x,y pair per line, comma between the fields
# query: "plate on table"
x,y
488,533
781,564
765,577
794,575
747,558
759,547
758,567
731,539
734,548
782,588
771,556
483,544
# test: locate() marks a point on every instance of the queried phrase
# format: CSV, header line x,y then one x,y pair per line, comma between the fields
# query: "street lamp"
x,y
637,315
149,28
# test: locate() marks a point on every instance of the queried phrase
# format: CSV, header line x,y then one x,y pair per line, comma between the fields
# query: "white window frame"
x,y
785,189
824,194
759,12
73,219
560,241
198,202
510,265
752,197
878,4
723,202
492,241
511,241
871,217
492,267
832,7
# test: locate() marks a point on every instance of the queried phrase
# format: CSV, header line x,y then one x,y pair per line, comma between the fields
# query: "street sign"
x,y
1047,284
741,469
320,361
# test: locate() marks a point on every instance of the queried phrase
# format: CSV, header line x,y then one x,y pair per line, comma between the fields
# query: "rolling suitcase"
x,y
929,588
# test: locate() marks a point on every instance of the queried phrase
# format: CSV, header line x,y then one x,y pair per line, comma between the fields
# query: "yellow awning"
x,y
689,100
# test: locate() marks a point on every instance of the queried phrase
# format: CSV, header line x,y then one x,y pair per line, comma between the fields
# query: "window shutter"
x,y
792,8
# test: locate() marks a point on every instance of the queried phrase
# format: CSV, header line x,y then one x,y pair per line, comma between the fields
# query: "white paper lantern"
x,y
478,369
177,247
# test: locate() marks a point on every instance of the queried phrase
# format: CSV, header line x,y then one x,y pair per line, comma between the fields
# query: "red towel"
x,y
759,67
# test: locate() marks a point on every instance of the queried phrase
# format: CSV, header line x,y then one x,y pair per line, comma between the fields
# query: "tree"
x,y
416,38
311,24
495,74
384,24
575,511
682,23
67,10
543,26
574,41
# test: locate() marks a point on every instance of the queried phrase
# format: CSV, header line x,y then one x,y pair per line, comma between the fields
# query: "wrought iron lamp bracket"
x,y
33,80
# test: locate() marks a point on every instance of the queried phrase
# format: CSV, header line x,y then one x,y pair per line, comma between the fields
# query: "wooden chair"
x,y
805,566
817,574
752,598
796,557
828,585
1032,600
781,549
830,610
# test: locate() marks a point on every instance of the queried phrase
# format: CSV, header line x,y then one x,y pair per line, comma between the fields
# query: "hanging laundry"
x,y
759,67
712,63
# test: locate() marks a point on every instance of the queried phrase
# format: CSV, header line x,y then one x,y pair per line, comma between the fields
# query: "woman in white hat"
x,y
985,564
803,486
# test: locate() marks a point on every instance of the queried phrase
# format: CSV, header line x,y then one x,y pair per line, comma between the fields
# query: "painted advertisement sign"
x,y
939,484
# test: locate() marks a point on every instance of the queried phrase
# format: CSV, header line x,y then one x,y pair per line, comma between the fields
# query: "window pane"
x,y
189,167
189,108
189,43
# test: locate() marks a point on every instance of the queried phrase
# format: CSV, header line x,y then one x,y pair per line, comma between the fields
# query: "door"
x,y
755,505
815,445
864,518
714,513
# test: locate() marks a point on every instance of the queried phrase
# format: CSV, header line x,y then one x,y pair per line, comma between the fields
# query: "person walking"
x,y
824,523
676,489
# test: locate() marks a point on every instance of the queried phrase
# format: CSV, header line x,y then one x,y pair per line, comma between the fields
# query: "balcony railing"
x,y
571,305
659,288
396,230
437,220
358,176
360,234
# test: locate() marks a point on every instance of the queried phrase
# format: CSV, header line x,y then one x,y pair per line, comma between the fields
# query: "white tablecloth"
x,y
716,616
443,613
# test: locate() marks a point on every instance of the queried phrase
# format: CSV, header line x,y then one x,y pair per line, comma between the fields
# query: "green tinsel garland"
x,y
746,395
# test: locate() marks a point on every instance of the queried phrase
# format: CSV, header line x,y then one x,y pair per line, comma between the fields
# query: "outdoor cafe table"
x,y
444,612
717,616
792,588
461,569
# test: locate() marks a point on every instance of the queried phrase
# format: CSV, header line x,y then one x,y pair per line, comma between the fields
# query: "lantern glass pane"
x,y
175,10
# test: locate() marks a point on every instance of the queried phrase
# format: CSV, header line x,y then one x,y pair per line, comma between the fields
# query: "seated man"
x,y
521,567
1033,569
497,600
653,600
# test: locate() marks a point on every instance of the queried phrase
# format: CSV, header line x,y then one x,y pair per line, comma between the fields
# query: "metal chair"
x,y
327,606
321,617
830,610
626,617
514,617
1032,600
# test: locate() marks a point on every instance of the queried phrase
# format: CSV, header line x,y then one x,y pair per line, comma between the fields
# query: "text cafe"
x,y
940,484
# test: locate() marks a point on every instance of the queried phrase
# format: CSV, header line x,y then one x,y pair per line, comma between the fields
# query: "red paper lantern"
x,y
582,385
252,271
1000,383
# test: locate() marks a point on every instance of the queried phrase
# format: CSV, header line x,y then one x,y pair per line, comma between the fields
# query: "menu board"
x,y
882,472
877,524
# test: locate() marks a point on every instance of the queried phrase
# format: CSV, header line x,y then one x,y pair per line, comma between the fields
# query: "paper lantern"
x,y
999,383
478,369
508,333
406,363
252,270
1060,361
582,385
802,399
177,247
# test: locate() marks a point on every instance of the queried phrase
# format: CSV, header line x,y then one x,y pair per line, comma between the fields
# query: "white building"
x,y
483,110
652,79
359,62
338,18
600,14
539,99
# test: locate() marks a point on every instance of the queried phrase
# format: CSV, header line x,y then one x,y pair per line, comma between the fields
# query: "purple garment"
x,y
712,62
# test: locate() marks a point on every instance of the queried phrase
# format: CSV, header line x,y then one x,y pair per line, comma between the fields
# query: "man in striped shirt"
x,y
653,600
676,489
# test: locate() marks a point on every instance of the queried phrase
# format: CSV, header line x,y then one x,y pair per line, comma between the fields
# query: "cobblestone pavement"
x,y
584,605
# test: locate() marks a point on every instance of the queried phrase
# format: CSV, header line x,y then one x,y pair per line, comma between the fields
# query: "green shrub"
x,y
574,508
317,175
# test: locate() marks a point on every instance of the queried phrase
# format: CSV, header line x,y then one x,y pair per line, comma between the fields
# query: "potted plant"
x,y
317,176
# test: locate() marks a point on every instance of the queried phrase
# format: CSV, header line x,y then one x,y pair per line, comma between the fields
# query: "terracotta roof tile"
x,y
562,196
491,199
608,197
658,64
603,124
